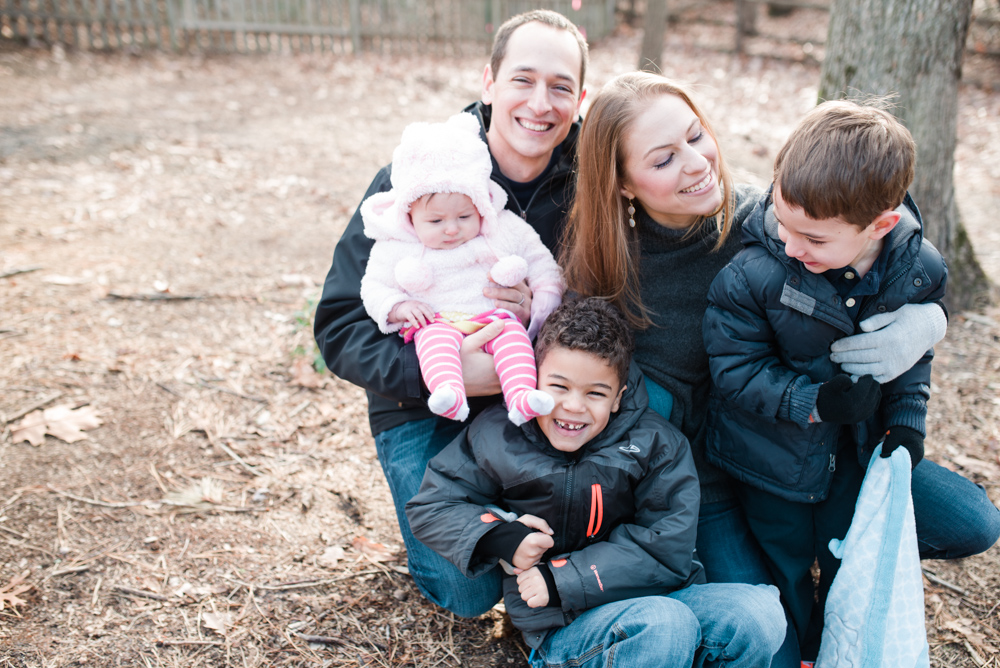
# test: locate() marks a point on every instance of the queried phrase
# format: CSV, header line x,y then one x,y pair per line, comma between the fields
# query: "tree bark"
x,y
654,25
913,49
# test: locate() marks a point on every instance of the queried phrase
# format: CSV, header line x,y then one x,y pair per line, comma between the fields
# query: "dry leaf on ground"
x,y
374,551
61,421
218,621
304,375
331,556
9,592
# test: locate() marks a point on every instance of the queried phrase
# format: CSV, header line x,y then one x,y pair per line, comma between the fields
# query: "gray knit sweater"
x,y
675,275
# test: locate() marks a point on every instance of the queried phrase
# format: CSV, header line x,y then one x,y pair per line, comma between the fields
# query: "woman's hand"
x,y
516,299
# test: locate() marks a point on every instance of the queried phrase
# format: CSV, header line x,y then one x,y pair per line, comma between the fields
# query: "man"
x,y
532,90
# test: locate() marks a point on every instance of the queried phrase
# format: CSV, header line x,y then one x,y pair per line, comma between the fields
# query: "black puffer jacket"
x,y
624,511
768,331
350,341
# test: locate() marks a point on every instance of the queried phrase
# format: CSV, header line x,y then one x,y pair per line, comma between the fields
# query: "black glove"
x,y
842,401
906,437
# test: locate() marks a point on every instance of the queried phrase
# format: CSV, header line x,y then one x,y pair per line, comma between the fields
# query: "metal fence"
x,y
396,26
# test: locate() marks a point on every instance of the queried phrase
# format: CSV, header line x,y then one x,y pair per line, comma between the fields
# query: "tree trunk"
x,y
653,26
913,48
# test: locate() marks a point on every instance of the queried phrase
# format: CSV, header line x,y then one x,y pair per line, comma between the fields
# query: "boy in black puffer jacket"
x,y
593,509
835,240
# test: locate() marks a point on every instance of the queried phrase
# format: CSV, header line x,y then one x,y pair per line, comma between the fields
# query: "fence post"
x,y
355,26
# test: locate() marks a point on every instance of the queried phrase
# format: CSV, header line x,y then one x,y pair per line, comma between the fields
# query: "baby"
x,y
441,235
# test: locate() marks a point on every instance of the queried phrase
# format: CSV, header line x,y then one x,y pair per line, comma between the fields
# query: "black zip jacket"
x,y
624,509
350,341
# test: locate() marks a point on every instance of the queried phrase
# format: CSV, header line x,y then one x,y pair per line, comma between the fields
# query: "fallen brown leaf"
x,y
304,375
218,621
9,592
374,551
61,421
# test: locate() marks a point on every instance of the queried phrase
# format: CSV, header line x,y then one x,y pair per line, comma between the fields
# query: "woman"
x,y
656,217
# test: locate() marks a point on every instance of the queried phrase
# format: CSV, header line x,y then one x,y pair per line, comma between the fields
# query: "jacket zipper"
x,y
568,497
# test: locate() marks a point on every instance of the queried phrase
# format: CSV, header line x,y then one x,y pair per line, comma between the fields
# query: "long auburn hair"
x,y
600,251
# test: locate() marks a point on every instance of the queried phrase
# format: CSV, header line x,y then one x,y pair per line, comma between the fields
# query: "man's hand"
x,y
479,374
534,545
516,299
893,342
533,589
412,312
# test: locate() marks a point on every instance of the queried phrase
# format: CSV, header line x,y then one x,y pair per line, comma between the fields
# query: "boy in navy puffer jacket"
x,y
593,510
835,240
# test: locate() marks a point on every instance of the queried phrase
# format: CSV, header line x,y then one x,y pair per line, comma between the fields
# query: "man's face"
x,y
586,391
535,97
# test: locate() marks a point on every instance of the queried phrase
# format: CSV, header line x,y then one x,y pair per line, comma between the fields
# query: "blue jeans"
x,y
955,518
704,625
403,453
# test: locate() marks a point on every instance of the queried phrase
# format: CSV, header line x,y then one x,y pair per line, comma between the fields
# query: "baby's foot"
x,y
447,402
530,405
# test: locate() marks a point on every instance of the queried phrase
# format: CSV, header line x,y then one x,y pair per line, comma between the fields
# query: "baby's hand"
x,y
413,313
532,588
534,545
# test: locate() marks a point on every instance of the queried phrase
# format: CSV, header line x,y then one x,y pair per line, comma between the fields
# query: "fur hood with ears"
x,y
448,157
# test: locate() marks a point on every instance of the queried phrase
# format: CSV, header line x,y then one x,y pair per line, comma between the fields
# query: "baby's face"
x,y
445,220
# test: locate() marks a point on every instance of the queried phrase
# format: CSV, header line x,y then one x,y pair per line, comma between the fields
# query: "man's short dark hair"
x,y
592,325
545,17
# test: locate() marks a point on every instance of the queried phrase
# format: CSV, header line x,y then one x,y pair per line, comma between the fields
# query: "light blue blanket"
x,y
874,615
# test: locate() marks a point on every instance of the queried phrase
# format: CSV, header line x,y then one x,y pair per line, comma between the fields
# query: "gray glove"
x,y
894,342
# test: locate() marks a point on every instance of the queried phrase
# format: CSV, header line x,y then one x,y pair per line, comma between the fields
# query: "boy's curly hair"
x,y
592,325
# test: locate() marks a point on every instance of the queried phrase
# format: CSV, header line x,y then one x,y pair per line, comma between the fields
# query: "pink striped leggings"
x,y
438,349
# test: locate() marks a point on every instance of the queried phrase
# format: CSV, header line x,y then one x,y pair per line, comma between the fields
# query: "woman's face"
x,y
672,164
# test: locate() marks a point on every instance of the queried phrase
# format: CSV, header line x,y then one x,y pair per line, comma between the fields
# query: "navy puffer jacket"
x,y
768,331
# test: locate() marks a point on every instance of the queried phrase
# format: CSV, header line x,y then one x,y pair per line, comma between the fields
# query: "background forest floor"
x,y
175,216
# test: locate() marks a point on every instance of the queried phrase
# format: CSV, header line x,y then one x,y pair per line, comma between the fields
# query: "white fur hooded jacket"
x,y
449,157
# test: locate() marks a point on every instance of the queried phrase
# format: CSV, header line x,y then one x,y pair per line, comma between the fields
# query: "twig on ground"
x,y
226,390
302,584
33,406
169,390
20,270
325,640
138,593
188,642
95,502
156,297
239,460
944,583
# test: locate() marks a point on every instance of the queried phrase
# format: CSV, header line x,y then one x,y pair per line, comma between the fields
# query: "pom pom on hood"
x,y
448,157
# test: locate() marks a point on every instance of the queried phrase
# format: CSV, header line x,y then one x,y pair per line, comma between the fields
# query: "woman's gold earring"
x,y
631,213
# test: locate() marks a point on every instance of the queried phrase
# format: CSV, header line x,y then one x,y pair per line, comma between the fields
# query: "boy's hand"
x,y
909,439
842,401
534,591
413,313
893,341
534,545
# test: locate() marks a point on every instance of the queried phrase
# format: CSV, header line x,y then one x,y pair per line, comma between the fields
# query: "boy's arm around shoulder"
x,y
654,553
449,513
350,341
740,341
